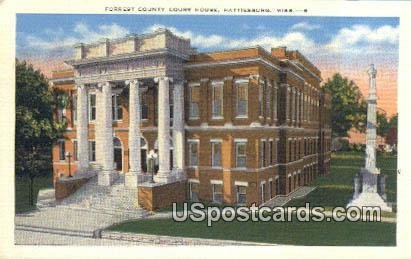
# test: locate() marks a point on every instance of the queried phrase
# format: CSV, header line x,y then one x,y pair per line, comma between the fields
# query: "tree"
x,y
348,106
35,128
383,124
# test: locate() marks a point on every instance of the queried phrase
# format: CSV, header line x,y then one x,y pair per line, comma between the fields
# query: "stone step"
x,y
115,199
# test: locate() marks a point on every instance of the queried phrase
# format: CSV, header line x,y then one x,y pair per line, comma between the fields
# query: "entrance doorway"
x,y
118,154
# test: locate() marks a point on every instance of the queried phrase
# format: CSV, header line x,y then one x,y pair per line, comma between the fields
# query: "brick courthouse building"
x,y
234,126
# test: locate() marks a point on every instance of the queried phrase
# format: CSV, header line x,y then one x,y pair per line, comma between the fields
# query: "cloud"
x,y
305,26
293,40
360,38
58,43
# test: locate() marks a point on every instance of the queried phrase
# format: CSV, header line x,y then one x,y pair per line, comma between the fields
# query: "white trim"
x,y
193,140
216,140
276,177
241,80
263,182
217,82
195,83
240,140
216,182
241,183
193,180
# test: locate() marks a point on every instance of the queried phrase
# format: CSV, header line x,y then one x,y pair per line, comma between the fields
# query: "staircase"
x,y
281,200
113,200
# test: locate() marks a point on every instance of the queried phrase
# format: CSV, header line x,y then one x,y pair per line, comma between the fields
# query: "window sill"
x,y
217,118
241,117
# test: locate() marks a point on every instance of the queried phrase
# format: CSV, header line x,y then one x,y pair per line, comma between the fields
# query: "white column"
x,y
178,130
163,174
98,128
107,176
82,129
134,136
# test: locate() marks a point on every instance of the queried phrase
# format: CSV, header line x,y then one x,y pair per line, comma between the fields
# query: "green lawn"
x,y
333,190
336,189
22,203
295,233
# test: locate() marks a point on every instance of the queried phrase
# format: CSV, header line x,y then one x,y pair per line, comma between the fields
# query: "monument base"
x,y
369,190
369,199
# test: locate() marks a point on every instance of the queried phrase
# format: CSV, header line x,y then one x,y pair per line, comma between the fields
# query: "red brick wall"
x,y
163,196
65,188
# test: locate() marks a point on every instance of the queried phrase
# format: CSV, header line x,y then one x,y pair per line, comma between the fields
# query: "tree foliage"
x,y
348,106
35,128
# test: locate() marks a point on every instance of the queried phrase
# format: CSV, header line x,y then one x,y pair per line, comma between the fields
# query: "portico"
x,y
104,131
134,63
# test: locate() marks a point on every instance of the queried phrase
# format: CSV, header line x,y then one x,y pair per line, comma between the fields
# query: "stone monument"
x,y
369,185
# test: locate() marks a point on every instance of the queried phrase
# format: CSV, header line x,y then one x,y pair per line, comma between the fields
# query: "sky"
x,y
347,45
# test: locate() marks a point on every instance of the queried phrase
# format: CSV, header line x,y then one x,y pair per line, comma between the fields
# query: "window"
x,y
241,154
217,99
262,187
144,105
62,149
275,102
92,150
171,102
305,146
295,149
261,98
270,152
289,149
241,195
242,99
117,111
271,189
277,185
217,193
74,109
193,187
75,150
216,153
262,153
276,150
194,101
193,152
60,114
268,100
92,107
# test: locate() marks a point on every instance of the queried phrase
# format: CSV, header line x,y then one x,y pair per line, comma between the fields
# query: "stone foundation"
x,y
153,196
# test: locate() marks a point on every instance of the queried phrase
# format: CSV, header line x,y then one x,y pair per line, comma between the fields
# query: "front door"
x,y
118,159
